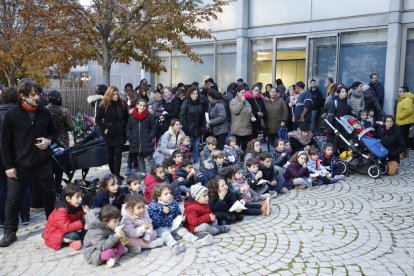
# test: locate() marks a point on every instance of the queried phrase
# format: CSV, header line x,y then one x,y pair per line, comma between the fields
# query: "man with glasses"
x,y
26,136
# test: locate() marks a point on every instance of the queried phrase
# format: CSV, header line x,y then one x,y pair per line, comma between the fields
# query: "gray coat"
x,y
277,112
357,102
97,239
241,113
167,144
218,118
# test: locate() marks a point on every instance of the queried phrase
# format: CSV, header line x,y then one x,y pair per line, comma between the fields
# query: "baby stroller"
x,y
367,152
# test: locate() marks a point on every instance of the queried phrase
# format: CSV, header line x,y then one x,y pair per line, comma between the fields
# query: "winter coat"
x,y
98,238
113,119
185,151
378,89
228,96
19,134
232,156
356,101
134,226
269,174
205,155
192,117
305,99
62,121
371,102
317,99
196,214
405,109
173,111
167,144
278,159
186,182
63,220
161,219
102,198
3,109
237,184
294,170
316,167
257,105
338,107
277,111
218,118
241,113
150,182
140,134
94,101
393,141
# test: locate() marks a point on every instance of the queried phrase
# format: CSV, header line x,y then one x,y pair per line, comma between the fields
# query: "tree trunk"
x,y
11,76
106,74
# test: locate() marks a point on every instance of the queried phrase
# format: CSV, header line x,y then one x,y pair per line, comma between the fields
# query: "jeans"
x,y
195,142
315,121
41,177
141,161
212,228
114,159
280,183
25,206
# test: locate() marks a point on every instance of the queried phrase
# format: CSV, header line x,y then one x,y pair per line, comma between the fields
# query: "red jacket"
x,y
150,182
196,214
62,220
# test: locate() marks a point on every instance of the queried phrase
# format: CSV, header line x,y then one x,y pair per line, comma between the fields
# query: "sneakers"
x,y
75,245
266,207
156,243
178,248
207,240
334,180
264,196
300,187
273,194
339,176
111,262
223,229
134,249
8,239
283,191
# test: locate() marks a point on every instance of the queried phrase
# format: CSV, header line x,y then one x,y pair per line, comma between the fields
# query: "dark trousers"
x,y
242,141
114,159
221,140
41,177
132,161
271,138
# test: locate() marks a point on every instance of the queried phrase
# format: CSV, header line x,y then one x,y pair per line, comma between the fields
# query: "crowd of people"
x,y
225,155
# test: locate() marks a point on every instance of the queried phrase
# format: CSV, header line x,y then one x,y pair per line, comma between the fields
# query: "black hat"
x,y
55,98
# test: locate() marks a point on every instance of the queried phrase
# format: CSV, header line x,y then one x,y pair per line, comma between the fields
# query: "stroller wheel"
x,y
342,167
374,171
384,169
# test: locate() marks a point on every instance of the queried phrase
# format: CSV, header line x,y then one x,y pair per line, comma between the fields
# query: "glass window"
x,y
322,60
226,65
361,54
186,71
290,60
163,77
261,61
409,64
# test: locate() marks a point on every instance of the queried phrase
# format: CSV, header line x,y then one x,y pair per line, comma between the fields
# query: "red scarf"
x,y
139,116
28,108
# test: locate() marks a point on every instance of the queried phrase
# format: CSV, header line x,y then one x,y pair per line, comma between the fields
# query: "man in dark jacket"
x,y
377,86
317,104
27,134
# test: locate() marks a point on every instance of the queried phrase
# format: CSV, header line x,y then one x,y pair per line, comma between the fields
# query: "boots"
x,y
8,239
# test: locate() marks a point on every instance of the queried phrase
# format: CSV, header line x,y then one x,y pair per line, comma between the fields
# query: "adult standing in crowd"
x,y
267,88
277,115
330,90
356,98
193,119
255,99
317,104
378,88
372,103
62,120
111,118
27,134
217,117
303,108
171,110
281,88
228,96
290,100
241,118
405,115
95,100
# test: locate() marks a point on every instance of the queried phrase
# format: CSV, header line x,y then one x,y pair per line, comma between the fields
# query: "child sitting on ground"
x,y
214,165
318,172
109,193
133,187
280,156
297,173
184,147
330,162
205,154
65,224
155,177
254,178
137,225
102,240
178,159
276,182
232,152
186,177
199,217
164,210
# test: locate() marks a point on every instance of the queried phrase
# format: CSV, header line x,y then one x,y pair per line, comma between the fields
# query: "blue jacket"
x,y
161,219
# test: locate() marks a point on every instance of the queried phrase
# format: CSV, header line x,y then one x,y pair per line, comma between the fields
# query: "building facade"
x,y
263,40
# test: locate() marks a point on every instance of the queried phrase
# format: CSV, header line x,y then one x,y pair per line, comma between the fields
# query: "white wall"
x,y
227,20
408,5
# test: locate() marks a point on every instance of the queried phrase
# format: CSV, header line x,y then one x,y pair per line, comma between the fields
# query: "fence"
x,y
74,99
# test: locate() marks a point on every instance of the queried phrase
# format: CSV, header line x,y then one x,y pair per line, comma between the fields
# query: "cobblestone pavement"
x,y
360,226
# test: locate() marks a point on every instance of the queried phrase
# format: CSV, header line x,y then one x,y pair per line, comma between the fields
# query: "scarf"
x,y
139,116
298,136
356,94
28,108
170,98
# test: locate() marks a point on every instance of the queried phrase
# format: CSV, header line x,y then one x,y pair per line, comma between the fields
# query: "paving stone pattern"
x,y
360,226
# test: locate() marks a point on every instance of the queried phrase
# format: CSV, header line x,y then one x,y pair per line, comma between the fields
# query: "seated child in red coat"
x,y
199,217
65,224
358,128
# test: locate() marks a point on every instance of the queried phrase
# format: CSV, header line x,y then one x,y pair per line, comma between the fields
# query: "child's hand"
x,y
183,218
180,179
242,189
305,165
306,148
147,226
242,202
166,210
259,175
212,217
273,183
283,154
222,193
85,209
119,233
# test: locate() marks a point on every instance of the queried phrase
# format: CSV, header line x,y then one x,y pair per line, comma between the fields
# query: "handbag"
x,y
262,121
411,132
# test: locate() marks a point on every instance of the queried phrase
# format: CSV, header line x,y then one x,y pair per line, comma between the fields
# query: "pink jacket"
x,y
133,225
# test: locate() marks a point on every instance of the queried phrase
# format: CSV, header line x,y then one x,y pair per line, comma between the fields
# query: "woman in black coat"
x,y
171,110
111,118
255,99
391,138
193,120
140,131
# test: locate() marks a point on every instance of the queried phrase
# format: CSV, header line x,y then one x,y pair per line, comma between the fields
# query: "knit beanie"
x,y
55,98
352,120
197,190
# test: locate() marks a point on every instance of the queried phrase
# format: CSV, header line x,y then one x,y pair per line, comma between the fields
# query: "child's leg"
x,y
185,234
165,234
209,228
198,242
252,212
137,242
141,162
119,251
279,169
72,236
301,181
107,254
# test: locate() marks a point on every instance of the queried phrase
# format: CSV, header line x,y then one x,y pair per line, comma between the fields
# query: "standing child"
x,y
317,171
102,240
199,217
330,161
280,156
137,225
66,222
184,147
109,193
155,177
133,182
232,152
164,210
297,173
